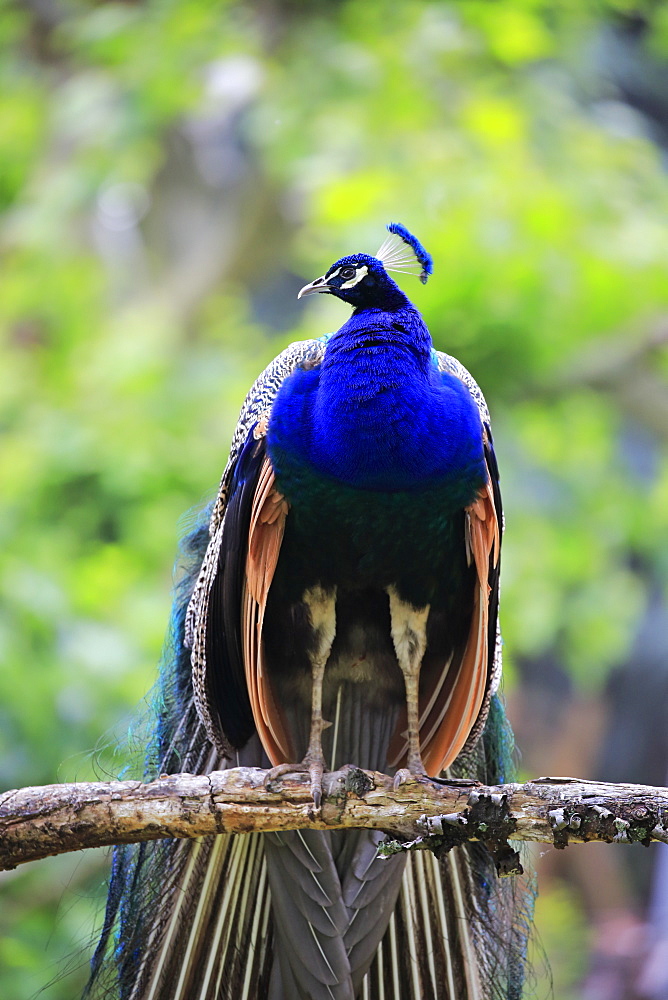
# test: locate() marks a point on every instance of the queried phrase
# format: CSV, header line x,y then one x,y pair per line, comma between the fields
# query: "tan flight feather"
x,y
483,539
267,526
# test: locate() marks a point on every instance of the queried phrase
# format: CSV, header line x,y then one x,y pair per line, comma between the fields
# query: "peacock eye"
x,y
347,272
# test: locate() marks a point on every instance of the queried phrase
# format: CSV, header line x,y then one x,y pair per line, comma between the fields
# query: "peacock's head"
x,y
360,280
363,281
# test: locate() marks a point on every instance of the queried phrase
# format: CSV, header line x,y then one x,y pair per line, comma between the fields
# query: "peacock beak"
x,y
319,285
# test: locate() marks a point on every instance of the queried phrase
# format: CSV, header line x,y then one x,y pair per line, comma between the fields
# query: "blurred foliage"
x,y
172,172
564,932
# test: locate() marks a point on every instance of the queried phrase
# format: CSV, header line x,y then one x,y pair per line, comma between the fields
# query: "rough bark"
x,y
55,819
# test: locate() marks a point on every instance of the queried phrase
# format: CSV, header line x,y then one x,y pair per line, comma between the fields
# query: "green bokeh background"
x,y
170,173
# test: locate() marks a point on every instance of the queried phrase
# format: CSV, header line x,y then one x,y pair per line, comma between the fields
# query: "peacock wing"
x,y
224,617
460,707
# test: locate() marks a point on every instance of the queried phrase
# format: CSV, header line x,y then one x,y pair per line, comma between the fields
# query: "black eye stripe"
x,y
348,272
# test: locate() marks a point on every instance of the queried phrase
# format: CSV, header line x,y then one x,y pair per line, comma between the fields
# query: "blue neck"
x,y
399,331
377,415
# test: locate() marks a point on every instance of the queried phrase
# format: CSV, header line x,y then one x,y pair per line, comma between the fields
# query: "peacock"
x,y
337,603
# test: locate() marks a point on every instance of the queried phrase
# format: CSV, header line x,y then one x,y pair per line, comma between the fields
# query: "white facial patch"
x,y
360,272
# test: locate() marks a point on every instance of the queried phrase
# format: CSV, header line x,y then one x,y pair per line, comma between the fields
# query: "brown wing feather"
x,y
442,743
265,536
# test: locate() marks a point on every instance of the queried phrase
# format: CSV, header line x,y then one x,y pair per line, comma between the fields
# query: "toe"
x,y
402,777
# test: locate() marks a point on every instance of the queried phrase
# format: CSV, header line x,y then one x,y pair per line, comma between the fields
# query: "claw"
x,y
316,769
405,775
402,777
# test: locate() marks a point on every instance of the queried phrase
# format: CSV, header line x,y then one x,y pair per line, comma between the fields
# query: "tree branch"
x,y
54,819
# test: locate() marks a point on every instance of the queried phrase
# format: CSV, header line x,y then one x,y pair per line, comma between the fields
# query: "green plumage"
x,y
338,534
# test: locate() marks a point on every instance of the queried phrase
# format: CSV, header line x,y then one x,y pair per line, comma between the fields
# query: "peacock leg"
x,y
409,636
322,607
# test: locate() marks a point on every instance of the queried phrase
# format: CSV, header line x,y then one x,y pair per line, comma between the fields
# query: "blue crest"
x,y
402,251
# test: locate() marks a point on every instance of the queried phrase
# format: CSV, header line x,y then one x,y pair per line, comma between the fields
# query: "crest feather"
x,y
402,251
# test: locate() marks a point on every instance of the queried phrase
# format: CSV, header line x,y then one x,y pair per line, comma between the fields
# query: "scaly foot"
x,y
315,764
